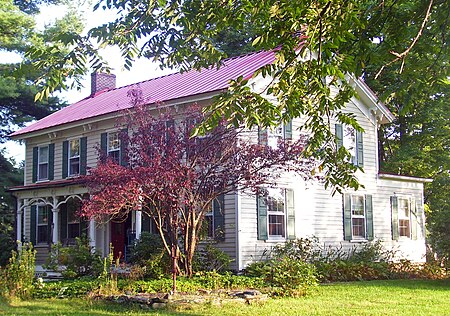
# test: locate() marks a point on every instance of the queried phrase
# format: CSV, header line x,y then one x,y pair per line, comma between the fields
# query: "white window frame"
x,y
271,212
358,216
111,152
40,208
70,173
402,217
39,176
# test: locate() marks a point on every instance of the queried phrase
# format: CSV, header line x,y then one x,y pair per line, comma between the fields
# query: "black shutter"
x,y
261,207
35,163
65,159
347,207
123,149
394,214
33,223
413,219
63,222
369,216
339,135
104,144
359,149
290,213
219,218
49,224
83,155
51,161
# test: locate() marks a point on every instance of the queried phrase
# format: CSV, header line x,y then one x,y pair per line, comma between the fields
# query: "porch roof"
x,y
47,184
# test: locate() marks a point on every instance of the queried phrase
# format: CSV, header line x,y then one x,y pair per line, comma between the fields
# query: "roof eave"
x,y
380,110
389,176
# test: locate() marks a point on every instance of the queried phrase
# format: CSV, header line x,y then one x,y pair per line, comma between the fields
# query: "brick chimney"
x,y
101,81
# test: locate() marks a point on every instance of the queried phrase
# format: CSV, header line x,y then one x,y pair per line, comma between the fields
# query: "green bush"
x,y
78,260
209,258
149,252
17,278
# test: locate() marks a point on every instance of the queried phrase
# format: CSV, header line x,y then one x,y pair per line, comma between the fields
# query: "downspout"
x,y
237,207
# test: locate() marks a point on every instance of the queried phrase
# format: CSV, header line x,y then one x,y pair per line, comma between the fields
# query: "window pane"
x,y
349,140
403,226
275,200
43,154
114,155
358,226
74,148
42,234
358,205
73,230
209,224
403,208
42,215
74,166
276,225
43,171
113,141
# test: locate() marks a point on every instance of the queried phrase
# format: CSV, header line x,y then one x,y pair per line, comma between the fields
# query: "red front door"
x,y
118,239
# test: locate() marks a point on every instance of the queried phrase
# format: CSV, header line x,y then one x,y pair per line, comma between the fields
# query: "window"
x,y
274,135
73,220
352,140
42,172
349,141
209,222
276,213
113,148
404,217
74,157
214,220
358,217
42,223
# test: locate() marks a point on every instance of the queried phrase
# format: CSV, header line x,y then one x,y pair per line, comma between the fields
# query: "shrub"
x,y
16,279
209,258
149,251
78,260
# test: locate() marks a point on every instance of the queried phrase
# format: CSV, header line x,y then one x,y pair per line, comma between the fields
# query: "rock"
x,y
159,305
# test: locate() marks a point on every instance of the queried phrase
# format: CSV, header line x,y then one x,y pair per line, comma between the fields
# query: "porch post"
x,y
19,223
138,224
92,233
55,225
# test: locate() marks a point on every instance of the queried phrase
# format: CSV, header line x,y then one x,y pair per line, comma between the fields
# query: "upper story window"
x,y
42,171
349,141
404,217
113,149
352,140
272,136
74,157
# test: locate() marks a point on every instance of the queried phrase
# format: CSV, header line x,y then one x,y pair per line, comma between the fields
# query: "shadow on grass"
x,y
77,307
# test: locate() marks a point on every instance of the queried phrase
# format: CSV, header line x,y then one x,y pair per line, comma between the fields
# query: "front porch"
x,y
48,213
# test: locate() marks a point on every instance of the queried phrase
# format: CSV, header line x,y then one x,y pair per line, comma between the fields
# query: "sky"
x,y
143,69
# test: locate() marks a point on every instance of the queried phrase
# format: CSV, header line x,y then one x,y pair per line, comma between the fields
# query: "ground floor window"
x,y
404,217
276,202
42,224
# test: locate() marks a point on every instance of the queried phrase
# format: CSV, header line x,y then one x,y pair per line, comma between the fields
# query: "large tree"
x,y
175,178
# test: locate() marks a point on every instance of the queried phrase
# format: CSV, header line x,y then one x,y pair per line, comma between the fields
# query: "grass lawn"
x,y
399,297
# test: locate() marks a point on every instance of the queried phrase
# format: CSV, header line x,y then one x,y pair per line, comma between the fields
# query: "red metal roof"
x,y
160,89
